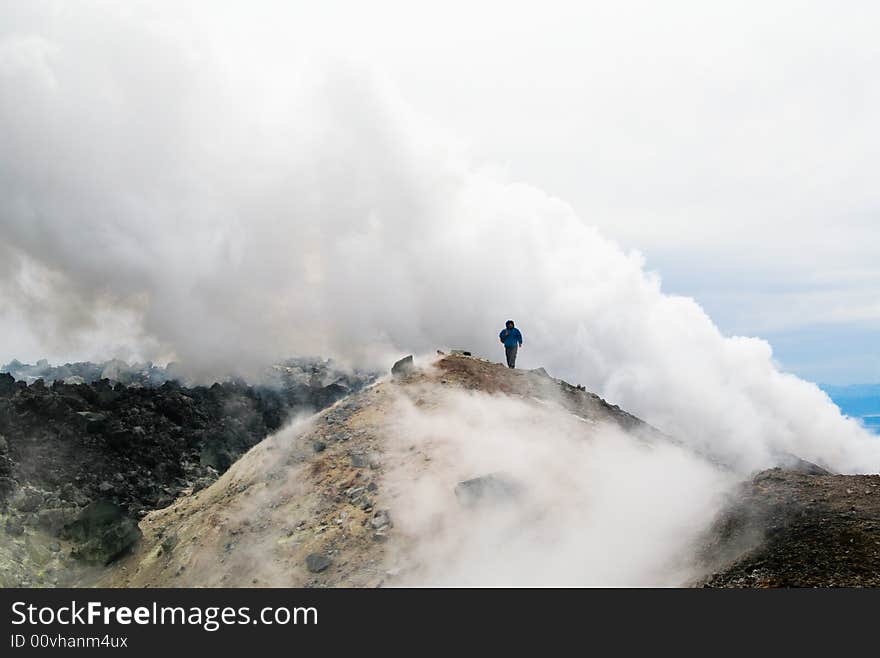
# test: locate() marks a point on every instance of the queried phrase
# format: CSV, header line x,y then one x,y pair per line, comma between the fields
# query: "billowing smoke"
x,y
178,199
585,504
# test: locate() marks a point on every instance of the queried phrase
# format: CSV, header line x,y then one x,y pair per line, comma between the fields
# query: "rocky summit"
x,y
313,506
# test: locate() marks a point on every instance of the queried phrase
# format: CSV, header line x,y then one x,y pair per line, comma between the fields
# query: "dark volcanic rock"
x,y
7,384
26,500
66,445
203,483
381,519
487,489
316,563
14,527
103,532
92,422
792,529
54,519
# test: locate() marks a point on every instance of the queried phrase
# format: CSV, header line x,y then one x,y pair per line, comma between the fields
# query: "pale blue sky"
x,y
742,301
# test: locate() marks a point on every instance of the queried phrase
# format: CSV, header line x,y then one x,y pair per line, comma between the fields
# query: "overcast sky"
x,y
736,145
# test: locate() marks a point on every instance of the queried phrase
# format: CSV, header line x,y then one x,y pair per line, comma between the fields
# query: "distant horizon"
x,y
56,362
4,362
860,401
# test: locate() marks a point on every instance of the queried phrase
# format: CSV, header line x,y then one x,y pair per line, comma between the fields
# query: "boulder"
x,y
215,455
169,542
103,533
316,563
203,483
7,384
27,499
404,366
381,519
92,421
54,519
488,489
14,527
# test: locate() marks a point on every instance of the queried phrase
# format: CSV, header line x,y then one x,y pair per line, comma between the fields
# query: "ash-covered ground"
x,y
81,462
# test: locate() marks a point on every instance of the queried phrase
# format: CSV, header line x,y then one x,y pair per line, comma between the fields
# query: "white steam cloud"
x,y
595,507
227,211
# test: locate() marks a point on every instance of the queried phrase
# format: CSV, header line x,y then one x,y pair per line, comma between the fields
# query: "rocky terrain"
x,y
795,529
81,463
329,500
311,505
86,372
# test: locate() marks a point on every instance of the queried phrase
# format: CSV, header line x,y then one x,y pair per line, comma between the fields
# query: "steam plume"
x,y
225,214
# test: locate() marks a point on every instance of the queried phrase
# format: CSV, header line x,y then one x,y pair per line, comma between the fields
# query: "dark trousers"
x,y
511,355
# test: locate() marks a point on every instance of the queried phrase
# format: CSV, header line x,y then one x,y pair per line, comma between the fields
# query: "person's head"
x,y
509,324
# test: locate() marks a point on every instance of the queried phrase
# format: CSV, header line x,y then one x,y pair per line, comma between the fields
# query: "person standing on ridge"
x,y
511,338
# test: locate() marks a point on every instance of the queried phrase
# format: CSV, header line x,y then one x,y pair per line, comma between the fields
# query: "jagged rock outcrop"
x,y
137,448
403,366
101,532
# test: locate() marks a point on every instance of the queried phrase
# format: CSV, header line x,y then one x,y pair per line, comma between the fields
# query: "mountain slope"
x,y
319,489
790,529
464,472
80,463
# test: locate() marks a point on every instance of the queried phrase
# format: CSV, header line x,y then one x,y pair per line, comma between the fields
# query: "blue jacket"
x,y
510,338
